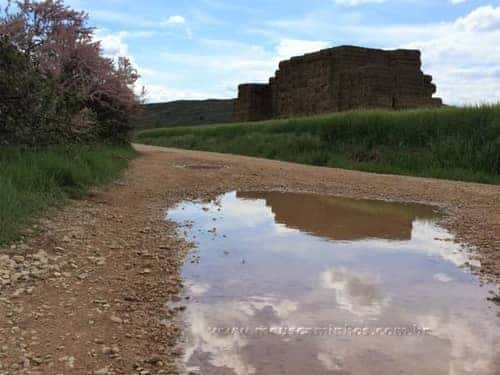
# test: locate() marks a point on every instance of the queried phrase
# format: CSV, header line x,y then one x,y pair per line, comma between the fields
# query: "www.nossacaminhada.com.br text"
x,y
330,330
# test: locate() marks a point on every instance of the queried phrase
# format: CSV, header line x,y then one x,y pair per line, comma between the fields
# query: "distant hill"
x,y
184,112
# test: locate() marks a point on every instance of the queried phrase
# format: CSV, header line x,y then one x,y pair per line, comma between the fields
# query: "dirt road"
x,y
85,291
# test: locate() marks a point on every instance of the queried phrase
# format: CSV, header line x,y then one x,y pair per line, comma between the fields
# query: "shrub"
x,y
57,86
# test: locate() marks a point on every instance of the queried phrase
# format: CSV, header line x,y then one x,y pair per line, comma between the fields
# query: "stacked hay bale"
x,y
339,79
303,86
254,103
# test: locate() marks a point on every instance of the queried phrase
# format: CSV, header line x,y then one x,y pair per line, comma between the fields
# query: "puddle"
x,y
299,283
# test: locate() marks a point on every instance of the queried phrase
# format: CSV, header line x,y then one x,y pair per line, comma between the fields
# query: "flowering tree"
x,y
98,91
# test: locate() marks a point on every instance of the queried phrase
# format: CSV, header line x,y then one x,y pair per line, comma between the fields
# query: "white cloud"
x,y
228,64
473,343
356,293
484,18
222,68
174,20
224,350
112,44
459,54
295,47
352,3
442,277
198,289
457,1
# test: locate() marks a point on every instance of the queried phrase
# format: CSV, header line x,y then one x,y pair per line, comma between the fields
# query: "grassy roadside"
x,y
452,143
31,180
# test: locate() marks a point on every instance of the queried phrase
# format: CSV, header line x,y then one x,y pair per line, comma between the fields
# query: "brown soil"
x,y
95,302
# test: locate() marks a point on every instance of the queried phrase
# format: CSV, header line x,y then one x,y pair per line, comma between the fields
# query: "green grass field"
x,y
452,143
32,180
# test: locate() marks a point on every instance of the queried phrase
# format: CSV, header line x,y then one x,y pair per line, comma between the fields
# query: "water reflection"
x,y
357,293
340,218
275,267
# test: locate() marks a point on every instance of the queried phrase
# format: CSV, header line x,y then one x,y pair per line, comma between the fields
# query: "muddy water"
x,y
308,284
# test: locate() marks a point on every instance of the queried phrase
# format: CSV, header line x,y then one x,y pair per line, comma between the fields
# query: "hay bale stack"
x,y
339,79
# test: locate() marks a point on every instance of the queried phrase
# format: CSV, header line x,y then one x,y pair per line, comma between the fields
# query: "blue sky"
x,y
204,48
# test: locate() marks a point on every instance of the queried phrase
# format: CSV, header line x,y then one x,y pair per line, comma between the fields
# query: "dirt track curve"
x,y
85,292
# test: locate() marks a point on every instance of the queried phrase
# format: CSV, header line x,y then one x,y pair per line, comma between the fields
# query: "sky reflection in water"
x,y
300,260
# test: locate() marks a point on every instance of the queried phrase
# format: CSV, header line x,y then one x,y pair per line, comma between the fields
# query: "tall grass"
x,y
32,180
452,143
